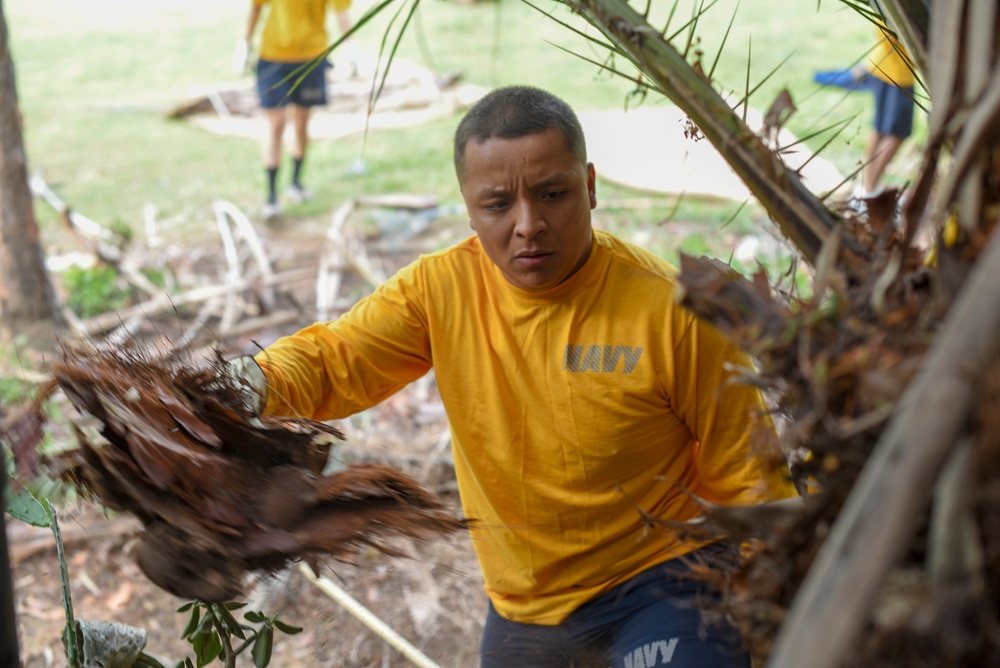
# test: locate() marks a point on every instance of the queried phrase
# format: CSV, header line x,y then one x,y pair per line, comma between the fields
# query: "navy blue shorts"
x,y
651,620
277,89
893,108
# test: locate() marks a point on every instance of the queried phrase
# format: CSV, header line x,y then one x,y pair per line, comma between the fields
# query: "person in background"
x,y
582,400
888,74
891,80
294,34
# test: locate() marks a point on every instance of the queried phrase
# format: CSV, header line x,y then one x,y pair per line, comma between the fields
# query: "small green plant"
x,y
96,290
101,289
13,390
212,630
212,627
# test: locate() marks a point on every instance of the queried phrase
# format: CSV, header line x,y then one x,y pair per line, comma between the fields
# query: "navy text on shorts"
x,y
651,620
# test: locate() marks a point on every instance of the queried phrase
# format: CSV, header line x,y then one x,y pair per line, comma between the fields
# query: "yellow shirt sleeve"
x,y
333,370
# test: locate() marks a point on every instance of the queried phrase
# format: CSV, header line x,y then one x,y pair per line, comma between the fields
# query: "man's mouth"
x,y
531,258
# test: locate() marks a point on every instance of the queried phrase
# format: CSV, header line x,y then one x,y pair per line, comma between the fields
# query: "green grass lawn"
x,y
95,79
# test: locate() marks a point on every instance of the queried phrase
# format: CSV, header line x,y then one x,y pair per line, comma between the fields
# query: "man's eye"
x,y
495,206
556,194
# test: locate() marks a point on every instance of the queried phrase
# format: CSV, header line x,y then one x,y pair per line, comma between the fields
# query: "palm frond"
x,y
751,91
725,36
689,24
822,147
638,80
610,46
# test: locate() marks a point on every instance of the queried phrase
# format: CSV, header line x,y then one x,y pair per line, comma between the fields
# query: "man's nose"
x,y
530,220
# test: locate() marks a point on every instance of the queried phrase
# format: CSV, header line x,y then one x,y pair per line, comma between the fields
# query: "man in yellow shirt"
x,y
579,395
294,34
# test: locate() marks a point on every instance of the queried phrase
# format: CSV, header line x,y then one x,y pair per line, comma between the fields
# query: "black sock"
x,y
272,178
297,171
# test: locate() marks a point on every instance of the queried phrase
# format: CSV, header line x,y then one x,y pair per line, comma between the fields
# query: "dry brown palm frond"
x,y
220,492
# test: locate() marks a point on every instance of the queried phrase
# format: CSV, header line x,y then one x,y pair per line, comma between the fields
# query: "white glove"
x,y
241,57
246,375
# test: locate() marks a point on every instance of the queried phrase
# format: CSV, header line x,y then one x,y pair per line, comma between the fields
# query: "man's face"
x,y
529,200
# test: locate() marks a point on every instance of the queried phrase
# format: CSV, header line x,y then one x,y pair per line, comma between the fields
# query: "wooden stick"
x,y
356,255
398,201
331,265
40,188
164,301
880,516
368,618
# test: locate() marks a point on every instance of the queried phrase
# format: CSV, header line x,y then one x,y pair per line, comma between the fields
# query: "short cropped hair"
x,y
514,112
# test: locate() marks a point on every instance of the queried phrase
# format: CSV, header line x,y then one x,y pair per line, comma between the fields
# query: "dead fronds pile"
x,y
838,364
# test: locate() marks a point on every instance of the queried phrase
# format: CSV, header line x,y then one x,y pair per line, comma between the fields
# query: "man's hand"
x,y
246,376
241,57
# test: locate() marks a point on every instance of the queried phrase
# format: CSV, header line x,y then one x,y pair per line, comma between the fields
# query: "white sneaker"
x,y
271,210
297,194
858,203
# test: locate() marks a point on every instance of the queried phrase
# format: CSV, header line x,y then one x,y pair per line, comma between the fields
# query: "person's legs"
x,y
881,150
651,620
506,644
272,149
300,120
893,123
273,90
304,95
300,123
658,618
667,628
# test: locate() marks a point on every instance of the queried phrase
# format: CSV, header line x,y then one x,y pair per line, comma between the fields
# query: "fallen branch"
x,y
165,302
330,275
368,618
92,235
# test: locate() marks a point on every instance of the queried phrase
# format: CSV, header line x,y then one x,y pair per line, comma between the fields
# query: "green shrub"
x,y
101,289
96,290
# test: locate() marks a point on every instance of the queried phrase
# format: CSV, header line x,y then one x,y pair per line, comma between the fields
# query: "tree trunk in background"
x,y
27,301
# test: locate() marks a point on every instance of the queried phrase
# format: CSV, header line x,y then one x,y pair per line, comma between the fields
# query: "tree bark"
x,y
27,301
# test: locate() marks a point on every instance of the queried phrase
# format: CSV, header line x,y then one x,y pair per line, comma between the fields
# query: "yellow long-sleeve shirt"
x,y
295,30
569,409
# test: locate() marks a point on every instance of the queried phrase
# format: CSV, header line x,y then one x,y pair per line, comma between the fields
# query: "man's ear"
x,y
592,184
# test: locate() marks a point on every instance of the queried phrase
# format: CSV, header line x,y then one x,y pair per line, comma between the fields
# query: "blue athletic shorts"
x,y
277,89
893,108
651,620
